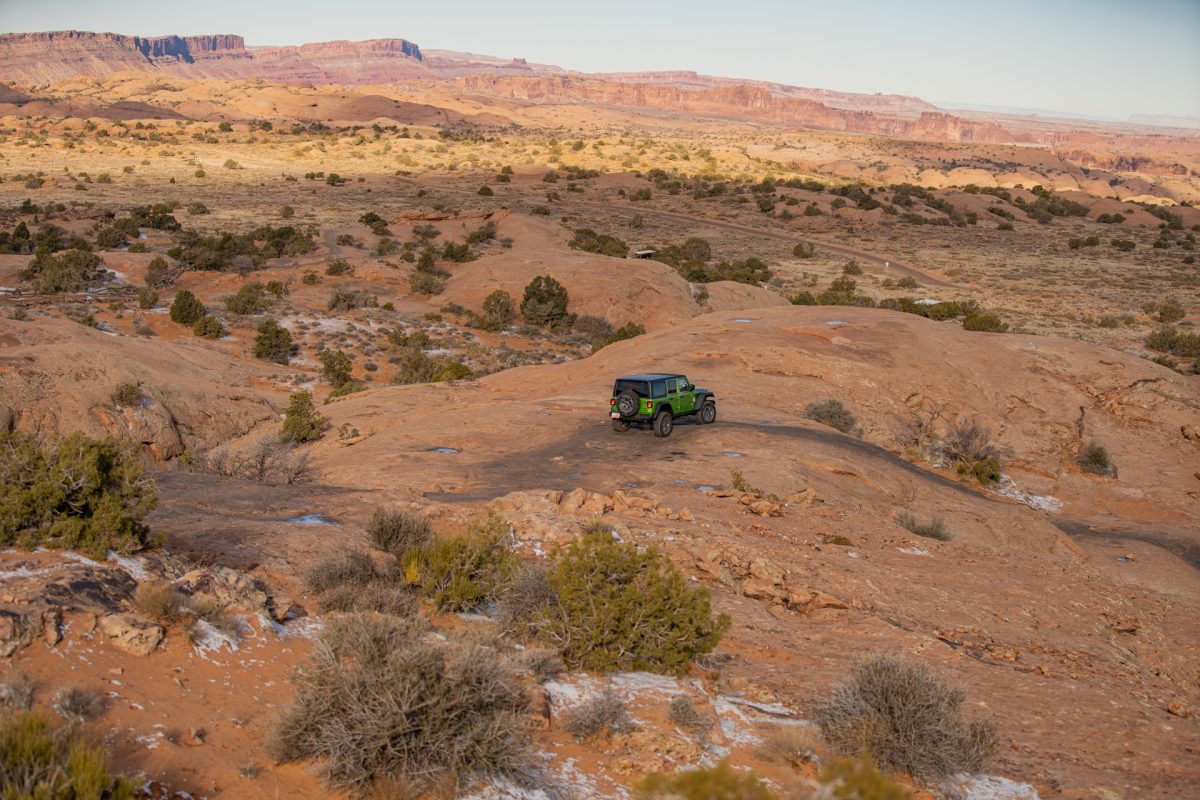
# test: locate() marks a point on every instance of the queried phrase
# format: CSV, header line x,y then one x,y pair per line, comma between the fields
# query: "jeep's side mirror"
x,y
689,387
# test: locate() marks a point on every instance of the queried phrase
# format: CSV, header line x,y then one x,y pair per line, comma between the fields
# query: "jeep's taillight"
x,y
612,402
649,404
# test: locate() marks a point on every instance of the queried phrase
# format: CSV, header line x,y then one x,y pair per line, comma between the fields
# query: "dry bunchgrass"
x,y
17,691
381,595
376,700
685,714
398,532
161,601
604,714
907,718
935,528
352,569
75,702
791,744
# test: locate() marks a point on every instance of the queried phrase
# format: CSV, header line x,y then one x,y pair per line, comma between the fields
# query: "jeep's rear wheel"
x,y
708,413
627,404
620,425
663,424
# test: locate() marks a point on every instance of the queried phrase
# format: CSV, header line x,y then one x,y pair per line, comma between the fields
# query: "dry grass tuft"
x,y
78,703
685,714
907,718
791,744
603,714
161,601
376,700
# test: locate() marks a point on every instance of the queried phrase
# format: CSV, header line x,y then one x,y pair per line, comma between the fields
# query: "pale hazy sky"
x,y
1108,58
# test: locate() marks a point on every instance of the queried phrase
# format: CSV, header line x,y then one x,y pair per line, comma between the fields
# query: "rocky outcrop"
x,y
38,58
132,633
738,100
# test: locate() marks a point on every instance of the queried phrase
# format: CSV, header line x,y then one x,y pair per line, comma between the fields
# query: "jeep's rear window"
x,y
660,388
640,388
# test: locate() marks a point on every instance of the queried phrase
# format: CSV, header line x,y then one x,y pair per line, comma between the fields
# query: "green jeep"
x,y
658,399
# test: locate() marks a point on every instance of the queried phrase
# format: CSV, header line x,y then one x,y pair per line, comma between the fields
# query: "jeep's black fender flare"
x,y
704,398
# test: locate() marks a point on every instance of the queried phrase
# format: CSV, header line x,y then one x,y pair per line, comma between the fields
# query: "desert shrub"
x,y
706,783
629,330
399,532
988,323
852,268
185,308
593,327
804,249
589,241
251,298
790,744
1094,458
498,308
310,278
684,713
966,441
484,233
127,395
860,779
906,718
339,266
485,191
545,302
197,209
1169,339
335,367
273,342
69,271
147,297
603,714
38,761
160,600
269,461
1124,245
343,300
16,692
379,596
75,702
835,415
208,327
463,573
81,493
935,528
1171,311
616,607
287,212
158,274
375,700
352,569
301,422
987,471
423,282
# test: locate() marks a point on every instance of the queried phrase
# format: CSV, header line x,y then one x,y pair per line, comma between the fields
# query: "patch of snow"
x,y
208,639
310,519
501,789
774,709
735,725
987,787
913,551
1008,488
836,322
151,741
743,319
133,566
928,301
851,554
634,683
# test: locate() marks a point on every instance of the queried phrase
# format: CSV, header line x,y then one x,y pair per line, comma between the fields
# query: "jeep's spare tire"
x,y
627,403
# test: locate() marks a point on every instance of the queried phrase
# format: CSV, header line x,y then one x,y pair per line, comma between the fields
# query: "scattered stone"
x,y
132,633
52,619
1190,432
806,601
1179,709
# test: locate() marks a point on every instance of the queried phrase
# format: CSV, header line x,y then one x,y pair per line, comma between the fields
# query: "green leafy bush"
x,y
463,573
38,761
589,241
375,700
82,493
127,395
720,782
545,302
273,342
208,327
69,271
988,323
629,330
907,719
335,367
615,607
835,415
301,422
1169,339
249,299
498,308
185,308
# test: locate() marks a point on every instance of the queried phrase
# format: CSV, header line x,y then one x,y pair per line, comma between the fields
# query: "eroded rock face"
x,y
131,633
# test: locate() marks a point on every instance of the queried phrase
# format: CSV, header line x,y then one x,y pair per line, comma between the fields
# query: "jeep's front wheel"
x,y
663,424
708,413
627,404
620,425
